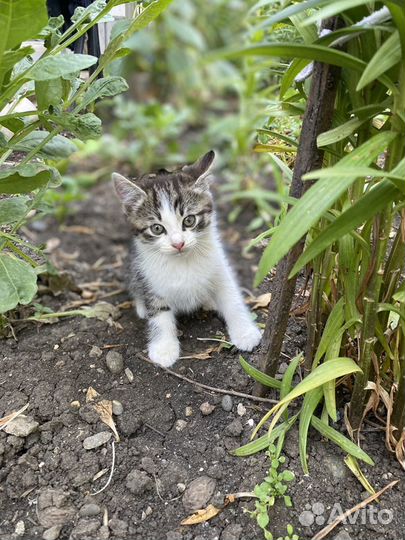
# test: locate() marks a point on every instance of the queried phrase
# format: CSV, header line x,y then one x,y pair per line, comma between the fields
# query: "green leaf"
x,y
315,202
386,56
20,20
333,8
322,374
147,15
101,88
286,383
12,209
11,58
265,440
57,147
24,179
18,282
345,444
50,92
258,375
310,403
367,206
263,519
85,126
334,322
339,133
61,65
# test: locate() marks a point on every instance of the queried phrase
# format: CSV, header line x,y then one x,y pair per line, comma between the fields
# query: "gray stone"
x,y
227,403
234,429
148,465
84,529
95,352
94,441
90,509
117,407
118,527
138,482
115,362
52,533
198,493
232,532
21,426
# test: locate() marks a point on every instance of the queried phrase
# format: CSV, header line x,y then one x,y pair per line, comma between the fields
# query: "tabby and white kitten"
x,y
177,262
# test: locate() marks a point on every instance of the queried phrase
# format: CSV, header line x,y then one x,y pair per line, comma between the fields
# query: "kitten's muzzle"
x,y
178,245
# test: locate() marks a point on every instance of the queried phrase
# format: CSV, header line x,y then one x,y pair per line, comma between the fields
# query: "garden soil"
x,y
173,456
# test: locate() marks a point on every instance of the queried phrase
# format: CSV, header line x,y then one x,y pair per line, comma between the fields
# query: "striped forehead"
x,y
167,210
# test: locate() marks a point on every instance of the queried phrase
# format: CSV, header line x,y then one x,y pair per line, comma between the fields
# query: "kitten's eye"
x,y
157,229
189,221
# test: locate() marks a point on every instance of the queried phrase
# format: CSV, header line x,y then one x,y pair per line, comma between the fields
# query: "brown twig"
x,y
210,388
326,530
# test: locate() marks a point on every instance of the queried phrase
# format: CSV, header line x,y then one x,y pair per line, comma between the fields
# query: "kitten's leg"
x,y
243,332
164,347
140,307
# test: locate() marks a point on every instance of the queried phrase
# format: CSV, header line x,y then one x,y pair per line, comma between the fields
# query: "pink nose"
x,y
178,245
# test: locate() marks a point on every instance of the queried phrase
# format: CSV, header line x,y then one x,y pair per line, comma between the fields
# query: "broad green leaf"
x,y
345,444
259,376
61,65
101,88
339,133
50,92
57,147
386,56
12,209
11,58
310,403
18,282
20,20
265,440
85,126
315,202
322,374
24,179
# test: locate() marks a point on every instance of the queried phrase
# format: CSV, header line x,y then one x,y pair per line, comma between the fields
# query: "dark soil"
x,y
47,478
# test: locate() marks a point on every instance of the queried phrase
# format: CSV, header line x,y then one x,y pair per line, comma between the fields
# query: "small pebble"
x,y
206,408
94,441
114,362
180,425
129,374
234,429
189,411
89,509
117,407
95,352
22,426
20,528
227,403
75,405
52,533
181,487
241,410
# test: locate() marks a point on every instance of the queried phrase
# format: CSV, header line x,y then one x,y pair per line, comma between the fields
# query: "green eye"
x,y
189,221
157,229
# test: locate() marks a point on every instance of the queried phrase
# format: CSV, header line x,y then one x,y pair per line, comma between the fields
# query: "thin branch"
x,y
210,388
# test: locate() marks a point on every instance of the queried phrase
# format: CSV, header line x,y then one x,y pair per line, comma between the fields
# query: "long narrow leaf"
x,y
386,56
315,202
311,401
259,376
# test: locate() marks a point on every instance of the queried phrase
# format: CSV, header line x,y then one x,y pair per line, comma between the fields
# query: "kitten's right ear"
x,y
129,194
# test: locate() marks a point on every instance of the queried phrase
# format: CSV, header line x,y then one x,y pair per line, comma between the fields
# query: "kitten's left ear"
x,y
199,169
129,194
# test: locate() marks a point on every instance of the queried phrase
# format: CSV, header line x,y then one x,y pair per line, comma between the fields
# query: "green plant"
x,y
273,487
35,147
352,217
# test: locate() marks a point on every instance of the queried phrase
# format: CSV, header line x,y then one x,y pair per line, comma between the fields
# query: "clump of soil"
x,y
173,456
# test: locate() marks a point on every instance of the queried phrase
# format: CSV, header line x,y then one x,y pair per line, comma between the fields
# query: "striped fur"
x,y
177,262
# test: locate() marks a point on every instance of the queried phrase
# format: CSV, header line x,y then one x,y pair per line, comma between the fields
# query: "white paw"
x,y
246,338
140,309
164,352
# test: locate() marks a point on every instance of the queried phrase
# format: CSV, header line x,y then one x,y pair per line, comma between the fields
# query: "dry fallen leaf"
x,y
104,409
91,394
204,355
202,515
261,301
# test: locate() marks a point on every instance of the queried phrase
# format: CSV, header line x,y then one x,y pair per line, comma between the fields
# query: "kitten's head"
x,y
170,211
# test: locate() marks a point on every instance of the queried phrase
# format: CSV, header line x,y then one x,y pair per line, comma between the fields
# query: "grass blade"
x,y
259,376
311,401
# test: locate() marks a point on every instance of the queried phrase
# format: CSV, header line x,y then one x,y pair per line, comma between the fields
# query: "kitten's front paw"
x,y
164,352
247,338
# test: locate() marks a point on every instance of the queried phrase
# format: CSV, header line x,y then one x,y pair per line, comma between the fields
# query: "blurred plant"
x,y
34,132
353,216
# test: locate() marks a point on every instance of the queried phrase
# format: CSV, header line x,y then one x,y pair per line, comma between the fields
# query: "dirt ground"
x,y
48,478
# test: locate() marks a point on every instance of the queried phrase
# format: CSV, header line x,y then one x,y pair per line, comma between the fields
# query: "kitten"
x,y
177,263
